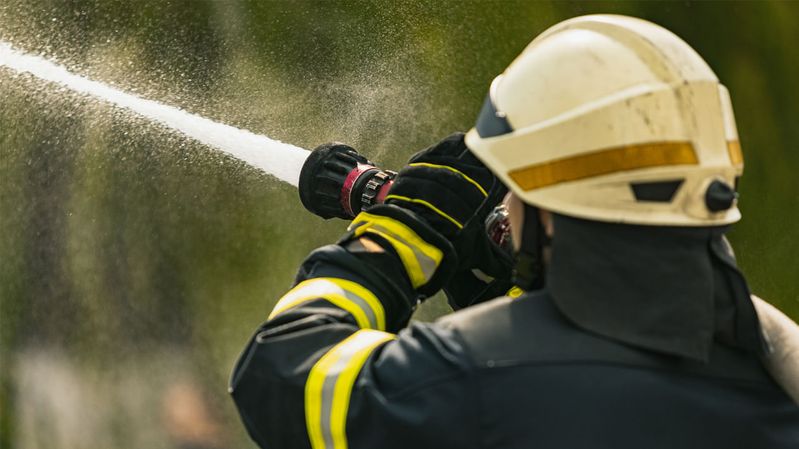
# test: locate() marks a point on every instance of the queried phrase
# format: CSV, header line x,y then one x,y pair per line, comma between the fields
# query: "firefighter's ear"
x,y
546,222
515,209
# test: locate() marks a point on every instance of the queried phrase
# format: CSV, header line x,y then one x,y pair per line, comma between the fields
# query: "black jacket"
x,y
328,371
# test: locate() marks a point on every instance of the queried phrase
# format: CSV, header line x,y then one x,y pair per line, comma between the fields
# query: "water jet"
x,y
276,158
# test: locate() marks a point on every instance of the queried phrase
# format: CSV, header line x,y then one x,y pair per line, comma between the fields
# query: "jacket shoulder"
x,y
531,330
421,356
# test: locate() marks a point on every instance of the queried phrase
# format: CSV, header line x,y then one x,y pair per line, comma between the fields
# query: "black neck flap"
x,y
669,289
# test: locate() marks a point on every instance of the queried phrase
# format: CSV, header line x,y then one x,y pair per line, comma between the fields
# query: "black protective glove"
x,y
467,288
453,192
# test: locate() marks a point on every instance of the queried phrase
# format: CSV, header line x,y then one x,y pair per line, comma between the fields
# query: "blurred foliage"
x,y
121,238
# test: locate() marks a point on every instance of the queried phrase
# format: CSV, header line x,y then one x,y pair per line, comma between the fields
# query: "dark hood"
x,y
669,289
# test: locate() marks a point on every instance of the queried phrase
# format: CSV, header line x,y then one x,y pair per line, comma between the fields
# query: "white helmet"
x,y
615,119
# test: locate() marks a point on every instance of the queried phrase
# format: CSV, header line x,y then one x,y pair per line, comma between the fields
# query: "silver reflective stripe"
x,y
328,390
330,384
367,309
427,264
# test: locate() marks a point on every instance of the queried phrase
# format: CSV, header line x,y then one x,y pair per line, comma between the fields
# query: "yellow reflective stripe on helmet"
x,y
428,205
455,170
597,163
734,150
329,387
362,304
419,258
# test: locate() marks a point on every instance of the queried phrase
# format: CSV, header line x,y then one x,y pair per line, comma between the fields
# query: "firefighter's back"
x,y
542,382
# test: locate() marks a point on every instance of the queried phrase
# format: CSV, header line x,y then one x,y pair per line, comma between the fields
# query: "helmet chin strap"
x,y
529,273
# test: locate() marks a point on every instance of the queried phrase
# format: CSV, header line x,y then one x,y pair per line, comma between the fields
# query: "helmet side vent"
x,y
660,191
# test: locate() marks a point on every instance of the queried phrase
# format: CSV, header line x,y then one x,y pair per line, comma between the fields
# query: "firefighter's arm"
x,y
327,367
349,300
320,381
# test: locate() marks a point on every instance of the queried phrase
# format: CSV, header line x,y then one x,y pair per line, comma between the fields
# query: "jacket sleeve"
x,y
330,367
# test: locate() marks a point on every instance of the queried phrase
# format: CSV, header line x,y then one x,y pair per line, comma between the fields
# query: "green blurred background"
x,y
134,263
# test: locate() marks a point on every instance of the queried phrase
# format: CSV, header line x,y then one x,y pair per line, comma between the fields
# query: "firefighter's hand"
x,y
469,287
454,192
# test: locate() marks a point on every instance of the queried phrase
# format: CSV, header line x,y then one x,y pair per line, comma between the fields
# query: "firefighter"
x,y
619,147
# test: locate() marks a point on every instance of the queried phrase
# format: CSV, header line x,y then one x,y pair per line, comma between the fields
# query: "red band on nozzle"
x,y
381,195
349,183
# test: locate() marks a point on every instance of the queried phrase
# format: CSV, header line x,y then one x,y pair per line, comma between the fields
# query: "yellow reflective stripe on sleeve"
x,y
329,388
428,205
447,167
362,304
419,258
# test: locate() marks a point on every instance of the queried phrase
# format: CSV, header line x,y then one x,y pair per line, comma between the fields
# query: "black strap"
x,y
529,273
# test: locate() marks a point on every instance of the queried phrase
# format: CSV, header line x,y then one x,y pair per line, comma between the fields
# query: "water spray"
x,y
271,156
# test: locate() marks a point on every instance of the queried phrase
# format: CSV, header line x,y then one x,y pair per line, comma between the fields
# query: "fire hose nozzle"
x,y
336,181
